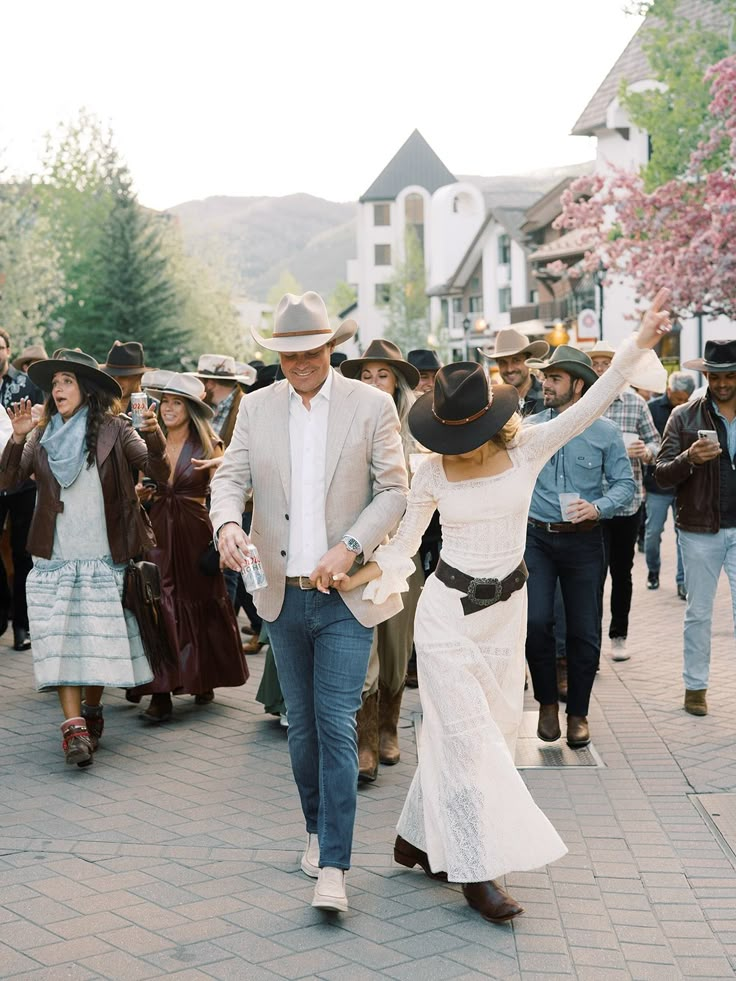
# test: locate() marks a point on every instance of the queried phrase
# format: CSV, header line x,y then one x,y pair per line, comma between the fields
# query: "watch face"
x,y
352,544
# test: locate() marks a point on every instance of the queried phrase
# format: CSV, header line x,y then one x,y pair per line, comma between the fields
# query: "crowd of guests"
x,y
413,521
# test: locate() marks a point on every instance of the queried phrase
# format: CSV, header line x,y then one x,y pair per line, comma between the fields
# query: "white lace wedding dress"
x,y
467,806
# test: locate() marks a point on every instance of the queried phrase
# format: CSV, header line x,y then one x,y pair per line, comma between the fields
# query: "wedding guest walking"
x,y
87,524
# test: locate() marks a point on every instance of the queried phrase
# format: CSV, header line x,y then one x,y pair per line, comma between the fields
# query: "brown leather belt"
x,y
481,592
302,582
564,527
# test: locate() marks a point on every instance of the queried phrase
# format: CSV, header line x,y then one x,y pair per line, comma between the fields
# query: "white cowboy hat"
x,y
186,386
602,349
510,342
221,367
301,323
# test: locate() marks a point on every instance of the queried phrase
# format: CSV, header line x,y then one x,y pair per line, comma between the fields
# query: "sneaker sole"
x,y
308,869
620,657
334,905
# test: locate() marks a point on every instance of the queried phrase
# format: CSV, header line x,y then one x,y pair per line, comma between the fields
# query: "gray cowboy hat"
x,y
125,358
301,323
718,356
223,368
76,363
569,359
184,386
382,350
510,342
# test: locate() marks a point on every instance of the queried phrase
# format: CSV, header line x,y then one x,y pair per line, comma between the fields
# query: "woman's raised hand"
x,y
21,418
656,321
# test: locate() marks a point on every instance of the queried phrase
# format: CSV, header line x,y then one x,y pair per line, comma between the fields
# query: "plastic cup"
x,y
630,438
565,501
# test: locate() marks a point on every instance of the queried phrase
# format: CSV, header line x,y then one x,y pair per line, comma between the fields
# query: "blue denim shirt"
x,y
579,467
730,425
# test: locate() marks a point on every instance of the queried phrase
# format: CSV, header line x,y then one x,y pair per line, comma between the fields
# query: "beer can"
x,y
253,574
138,405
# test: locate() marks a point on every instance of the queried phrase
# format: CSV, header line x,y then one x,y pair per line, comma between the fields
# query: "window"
x,y
414,215
382,255
381,214
504,250
475,283
457,304
475,304
504,299
445,313
383,294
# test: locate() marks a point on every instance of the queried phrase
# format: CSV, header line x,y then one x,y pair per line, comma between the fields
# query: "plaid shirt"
x,y
221,412
631,414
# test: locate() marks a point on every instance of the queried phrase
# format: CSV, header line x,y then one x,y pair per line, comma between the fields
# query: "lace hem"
x,y
395,571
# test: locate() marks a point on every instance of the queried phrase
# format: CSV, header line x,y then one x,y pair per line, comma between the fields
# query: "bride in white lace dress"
x,y
468,816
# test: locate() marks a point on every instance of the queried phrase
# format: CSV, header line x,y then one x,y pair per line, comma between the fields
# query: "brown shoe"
x,y
92,715
492,902
204,697
389,709
562,679
578,733
367,722
548,726
75,742
409,855
253,646
160,708
695,702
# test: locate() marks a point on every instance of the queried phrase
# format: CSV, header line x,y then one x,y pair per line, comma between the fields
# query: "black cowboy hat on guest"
x,y
462,412
718,356
76,363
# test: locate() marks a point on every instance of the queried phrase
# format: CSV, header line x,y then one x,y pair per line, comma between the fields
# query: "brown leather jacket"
x,y
697,501
119,449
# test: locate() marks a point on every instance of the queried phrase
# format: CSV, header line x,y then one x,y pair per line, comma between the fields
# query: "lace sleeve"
x,y
543,440
396,559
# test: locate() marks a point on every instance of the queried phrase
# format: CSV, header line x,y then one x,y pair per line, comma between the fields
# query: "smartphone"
x,y
710,434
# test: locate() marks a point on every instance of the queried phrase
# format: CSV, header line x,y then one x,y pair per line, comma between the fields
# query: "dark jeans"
x,y
576,560
20,508
619,536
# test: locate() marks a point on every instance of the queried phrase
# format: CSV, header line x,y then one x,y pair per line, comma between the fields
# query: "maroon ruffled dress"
x,y
197,611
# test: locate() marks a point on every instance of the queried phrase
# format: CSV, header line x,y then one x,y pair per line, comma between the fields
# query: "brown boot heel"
x,y
409,855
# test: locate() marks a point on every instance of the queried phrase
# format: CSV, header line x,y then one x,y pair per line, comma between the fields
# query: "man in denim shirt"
x,y
569,546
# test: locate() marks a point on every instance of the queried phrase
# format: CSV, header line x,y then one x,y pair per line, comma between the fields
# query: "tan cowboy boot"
x,y
389,709
367,722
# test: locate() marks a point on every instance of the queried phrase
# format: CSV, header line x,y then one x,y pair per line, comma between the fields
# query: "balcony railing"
x,y
566,308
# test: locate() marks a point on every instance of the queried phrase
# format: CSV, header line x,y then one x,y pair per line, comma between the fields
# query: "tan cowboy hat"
x,y
34,352
301,323
221,367
602,349
510,342
185,386
382,350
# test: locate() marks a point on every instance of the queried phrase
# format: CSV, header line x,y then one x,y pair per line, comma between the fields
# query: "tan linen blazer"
x,y
365,482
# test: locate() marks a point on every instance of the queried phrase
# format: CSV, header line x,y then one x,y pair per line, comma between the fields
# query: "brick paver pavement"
x,y
176,855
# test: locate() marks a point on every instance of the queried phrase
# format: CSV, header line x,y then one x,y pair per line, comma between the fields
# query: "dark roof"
x,y
414,163
633,66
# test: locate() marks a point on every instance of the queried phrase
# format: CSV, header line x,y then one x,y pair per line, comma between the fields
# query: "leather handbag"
x,y
209,560
142,596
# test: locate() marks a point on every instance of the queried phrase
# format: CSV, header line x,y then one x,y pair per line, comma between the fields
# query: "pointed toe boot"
x,y
492,902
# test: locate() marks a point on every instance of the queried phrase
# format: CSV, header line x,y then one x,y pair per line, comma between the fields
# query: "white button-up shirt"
x,y
308,451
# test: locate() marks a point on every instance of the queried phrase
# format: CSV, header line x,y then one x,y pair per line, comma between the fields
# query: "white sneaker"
x,y
284,720
310,858
329,893
618,649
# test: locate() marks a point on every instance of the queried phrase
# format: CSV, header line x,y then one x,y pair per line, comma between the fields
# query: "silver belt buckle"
x,y
497,591
309,585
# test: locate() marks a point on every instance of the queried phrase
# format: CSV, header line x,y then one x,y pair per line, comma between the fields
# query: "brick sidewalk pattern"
x,y
177,854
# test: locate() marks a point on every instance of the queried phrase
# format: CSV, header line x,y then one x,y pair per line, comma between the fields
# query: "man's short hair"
x,y
680,381
5,336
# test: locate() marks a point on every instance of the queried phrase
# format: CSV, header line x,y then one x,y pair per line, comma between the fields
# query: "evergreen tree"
x,y
407,323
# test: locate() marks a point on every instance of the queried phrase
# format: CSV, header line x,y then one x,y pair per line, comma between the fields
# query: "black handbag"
x,y
209,561
142,596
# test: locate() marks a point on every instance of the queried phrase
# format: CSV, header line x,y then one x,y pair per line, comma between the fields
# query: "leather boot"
x,y
92,715
492,902
367,722
562,679
389,709
548,727
160,708
75,741
695,702
578,733
409,855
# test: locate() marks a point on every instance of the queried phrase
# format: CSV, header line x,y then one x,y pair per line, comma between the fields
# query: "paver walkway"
x,y
176,854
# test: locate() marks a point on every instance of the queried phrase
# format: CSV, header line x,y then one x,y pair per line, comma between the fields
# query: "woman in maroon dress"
x,y
199,616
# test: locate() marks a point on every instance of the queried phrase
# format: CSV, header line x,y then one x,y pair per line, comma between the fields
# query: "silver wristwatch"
x,y
352,543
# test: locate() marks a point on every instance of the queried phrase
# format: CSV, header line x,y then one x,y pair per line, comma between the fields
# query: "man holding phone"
x,y
698,460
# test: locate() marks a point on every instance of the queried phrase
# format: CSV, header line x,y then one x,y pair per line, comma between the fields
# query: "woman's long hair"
x,y
100,403
198,426
404,399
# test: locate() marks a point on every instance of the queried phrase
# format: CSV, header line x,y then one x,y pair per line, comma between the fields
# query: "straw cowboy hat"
x,y
510,342
125,358
34,352
718,356
184,386
602,349
221,367
463,411
76,363
381,350
301,323
569,359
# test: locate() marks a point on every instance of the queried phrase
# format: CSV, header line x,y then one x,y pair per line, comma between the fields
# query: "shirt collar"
x,y
324,392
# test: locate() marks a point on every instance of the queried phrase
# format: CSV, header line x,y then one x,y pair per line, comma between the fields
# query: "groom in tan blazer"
x,y
321,455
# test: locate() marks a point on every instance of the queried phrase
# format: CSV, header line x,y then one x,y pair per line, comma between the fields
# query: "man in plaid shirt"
x,y
631,414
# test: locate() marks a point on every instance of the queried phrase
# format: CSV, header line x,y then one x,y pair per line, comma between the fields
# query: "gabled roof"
x,y
414,163
633,66
575,242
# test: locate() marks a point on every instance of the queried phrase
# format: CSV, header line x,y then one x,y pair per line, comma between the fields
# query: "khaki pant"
x,y
393,640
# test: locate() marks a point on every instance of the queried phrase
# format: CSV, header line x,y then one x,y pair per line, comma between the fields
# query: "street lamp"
x,y
478,327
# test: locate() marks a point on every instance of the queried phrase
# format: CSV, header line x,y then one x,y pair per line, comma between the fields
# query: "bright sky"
x,y
255,97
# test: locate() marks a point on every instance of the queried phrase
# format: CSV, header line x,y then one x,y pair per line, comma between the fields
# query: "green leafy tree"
x,y
341,298
676,115
407,322
287,283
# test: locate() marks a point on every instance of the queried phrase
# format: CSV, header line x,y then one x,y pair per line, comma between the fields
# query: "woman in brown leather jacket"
x,y
86,526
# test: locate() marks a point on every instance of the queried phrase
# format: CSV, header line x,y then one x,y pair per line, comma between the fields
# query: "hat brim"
x,y
290,344
534,349
202,408
120,371
353,367
237,379
441,438
700,364
573,368
41,373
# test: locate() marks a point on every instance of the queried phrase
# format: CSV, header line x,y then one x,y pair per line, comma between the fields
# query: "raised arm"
x,y
17,461
147,451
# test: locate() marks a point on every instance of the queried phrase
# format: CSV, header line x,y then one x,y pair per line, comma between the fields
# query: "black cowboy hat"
x,y
125,358
76,363
381,350
463,411
718,356
424,360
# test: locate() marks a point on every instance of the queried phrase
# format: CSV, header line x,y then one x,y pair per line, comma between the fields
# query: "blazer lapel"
x,y
342,409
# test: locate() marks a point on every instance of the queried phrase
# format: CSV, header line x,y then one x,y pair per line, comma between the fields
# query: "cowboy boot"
x,y
367,722
389,708
491,901
562,678
92,715
76,742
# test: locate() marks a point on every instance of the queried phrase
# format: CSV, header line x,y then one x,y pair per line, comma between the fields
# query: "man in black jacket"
x,y
698,459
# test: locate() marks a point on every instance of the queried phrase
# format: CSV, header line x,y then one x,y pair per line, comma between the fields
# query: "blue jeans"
x,y
704,556
321,654
657,507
